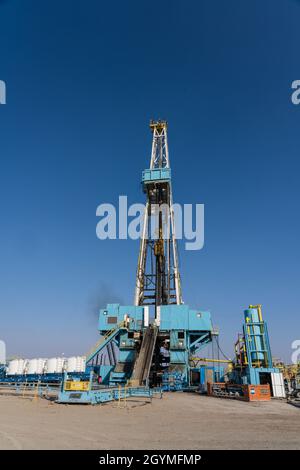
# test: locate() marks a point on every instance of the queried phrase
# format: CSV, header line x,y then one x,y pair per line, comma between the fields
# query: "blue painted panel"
x,y
157,174
255,336
111,310
174,317
180,317
199,320
136,315
177,357
127,355
175,341
118,312
104,371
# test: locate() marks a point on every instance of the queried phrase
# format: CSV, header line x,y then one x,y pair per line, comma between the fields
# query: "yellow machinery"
x,y
77,385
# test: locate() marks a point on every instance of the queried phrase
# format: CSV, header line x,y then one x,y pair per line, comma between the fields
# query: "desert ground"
x,y
177,421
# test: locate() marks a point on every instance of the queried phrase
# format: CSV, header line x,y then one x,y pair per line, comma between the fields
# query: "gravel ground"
x,y
178,421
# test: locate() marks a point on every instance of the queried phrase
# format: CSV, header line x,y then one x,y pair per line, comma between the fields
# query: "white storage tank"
x,y
31,366
13,367
2,353
35,366
81,364
76,364
60,365
51,365
21,366
40,367
17,367
55,365
71,364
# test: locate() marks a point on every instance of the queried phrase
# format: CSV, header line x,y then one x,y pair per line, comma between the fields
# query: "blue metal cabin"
x,y
185,330
161,175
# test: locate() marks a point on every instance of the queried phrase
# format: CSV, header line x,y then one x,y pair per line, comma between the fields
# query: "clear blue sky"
x,y
83,80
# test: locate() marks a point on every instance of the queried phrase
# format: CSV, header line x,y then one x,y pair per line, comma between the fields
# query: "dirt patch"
x,y
177,421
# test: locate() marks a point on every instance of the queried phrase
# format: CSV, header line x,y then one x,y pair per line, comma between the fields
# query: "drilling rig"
x,y
150,345
158,278
151,342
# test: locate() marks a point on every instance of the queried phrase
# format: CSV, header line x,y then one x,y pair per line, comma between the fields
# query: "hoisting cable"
x,y
223,354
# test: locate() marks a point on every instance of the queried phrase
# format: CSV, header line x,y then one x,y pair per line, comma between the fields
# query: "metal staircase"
x,y
143,363
104,341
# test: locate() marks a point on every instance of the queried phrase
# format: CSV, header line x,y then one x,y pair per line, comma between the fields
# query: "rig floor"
x,y
178,421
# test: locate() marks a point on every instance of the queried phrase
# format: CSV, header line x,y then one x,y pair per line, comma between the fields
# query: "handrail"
x,y
207,359
104,338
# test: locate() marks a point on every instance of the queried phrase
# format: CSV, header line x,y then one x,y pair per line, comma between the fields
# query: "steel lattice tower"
x,y
158,277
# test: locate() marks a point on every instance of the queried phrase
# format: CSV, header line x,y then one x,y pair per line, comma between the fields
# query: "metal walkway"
x,y
103,395
143,363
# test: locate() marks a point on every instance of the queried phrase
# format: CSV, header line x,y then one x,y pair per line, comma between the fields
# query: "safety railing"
x,y
93,351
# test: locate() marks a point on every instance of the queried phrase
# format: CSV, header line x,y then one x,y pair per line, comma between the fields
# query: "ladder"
x,y
104,340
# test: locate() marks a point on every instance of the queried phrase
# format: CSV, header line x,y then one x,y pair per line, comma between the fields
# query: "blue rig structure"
x,y
253,363
156,337
182,330
151,345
